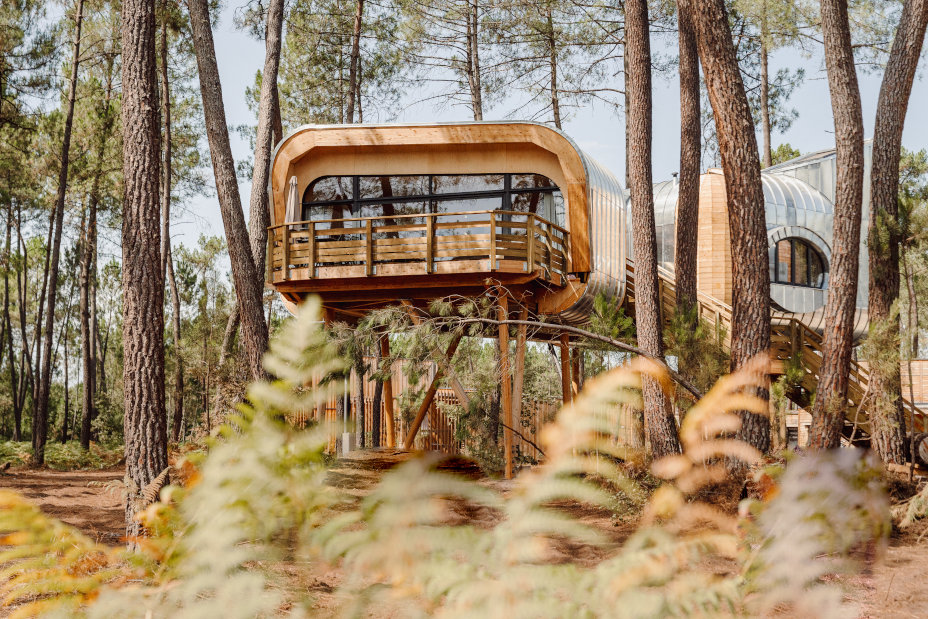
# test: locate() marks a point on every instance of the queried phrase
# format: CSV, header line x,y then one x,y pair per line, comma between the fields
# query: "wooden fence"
x,y
439,431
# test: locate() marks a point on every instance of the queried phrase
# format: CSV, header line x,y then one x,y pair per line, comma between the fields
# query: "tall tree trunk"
x,y
360,420
912,314
353,60
552,63
178,419
473,60
88,270
41,408
766,149
659,421
690,153
887,419
26,376
248,286
276,120
831,400
67,388
166,182
143,288
14,379
259,215
741,165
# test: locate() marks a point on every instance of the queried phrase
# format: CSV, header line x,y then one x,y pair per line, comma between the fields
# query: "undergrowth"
x,y
259,495
68,456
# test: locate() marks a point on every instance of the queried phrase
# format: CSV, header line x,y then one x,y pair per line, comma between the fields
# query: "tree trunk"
x,y
166,146
177,422
45,380
766,149
831,400
552,63
353,60
276,120
473,60
740,162
659,421
88,274
690,153
259,210
248,286
912,314
14,379
143,288
67,396
887,419
376,417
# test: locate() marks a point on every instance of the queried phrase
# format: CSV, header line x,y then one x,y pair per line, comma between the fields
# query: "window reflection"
x,y
798,263
387,197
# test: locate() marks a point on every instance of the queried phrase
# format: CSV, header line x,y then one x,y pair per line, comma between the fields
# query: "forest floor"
x,y
892,588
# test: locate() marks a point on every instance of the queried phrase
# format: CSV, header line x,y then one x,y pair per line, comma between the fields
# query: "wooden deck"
x,y
413,245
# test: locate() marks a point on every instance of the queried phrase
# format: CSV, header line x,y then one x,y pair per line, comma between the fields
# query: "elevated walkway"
x,y
789,337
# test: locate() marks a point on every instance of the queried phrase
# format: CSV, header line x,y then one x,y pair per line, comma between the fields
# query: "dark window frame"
x,y
812,253
356,202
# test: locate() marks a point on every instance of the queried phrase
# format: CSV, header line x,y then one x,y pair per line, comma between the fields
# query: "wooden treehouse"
x,y
366,216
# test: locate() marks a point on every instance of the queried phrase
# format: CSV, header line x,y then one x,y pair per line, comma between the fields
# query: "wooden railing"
x,y
467,242
789,337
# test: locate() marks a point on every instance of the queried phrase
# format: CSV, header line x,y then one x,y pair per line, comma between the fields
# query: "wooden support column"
x,y
576,379
430,393
505,383
518,379
388,393
565,369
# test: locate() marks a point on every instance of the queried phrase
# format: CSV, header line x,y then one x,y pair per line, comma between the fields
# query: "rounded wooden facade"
x,y
453,213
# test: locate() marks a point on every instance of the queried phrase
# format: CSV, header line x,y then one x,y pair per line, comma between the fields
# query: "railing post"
x,y
286,243
369,232
269,258
429,243
530,229
493,241
311,230
550,249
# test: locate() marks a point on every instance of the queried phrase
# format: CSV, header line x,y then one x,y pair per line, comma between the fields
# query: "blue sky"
x,y
597,130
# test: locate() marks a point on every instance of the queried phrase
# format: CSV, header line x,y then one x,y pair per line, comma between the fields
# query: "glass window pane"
x,y
389,209
784,262
800,266
816,270
467,183
530,181
393,186
328,189
529,203
316,212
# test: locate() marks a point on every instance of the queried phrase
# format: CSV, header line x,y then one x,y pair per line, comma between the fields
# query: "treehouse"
x,y
798,205
365,215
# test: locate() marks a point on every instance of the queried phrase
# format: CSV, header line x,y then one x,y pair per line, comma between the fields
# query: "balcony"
x,y
472,242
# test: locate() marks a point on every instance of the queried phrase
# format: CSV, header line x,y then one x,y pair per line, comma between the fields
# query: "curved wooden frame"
x,y
315,151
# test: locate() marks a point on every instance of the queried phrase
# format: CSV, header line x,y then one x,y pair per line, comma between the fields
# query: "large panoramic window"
x,y
345,197
797,263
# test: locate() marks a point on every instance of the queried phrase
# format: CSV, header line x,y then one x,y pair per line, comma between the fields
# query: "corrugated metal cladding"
x,y
607,204
798,202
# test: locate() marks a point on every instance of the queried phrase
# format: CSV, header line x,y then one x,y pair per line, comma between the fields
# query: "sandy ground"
x,y
894,588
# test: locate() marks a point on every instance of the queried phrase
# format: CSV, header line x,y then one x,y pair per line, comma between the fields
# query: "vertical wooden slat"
x,y
269,258
429,243
505,384
286,244
312,250
388,393
369,246
530,230
492,241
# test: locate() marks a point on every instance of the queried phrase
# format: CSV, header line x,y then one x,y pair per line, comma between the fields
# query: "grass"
x,y
62,456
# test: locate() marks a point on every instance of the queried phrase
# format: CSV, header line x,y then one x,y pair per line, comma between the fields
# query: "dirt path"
x,y
894,588
68,497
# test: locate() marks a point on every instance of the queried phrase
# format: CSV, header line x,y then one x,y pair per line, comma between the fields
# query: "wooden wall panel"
x,y
713,270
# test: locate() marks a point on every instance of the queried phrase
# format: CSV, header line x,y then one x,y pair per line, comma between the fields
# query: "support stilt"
x,y
518,379
388,393
505,383
576,379
430,394
565,369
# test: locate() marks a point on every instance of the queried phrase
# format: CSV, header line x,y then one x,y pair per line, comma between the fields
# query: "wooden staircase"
x,y
790,338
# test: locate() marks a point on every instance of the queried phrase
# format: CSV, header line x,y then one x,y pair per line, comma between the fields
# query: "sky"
x,y
598,131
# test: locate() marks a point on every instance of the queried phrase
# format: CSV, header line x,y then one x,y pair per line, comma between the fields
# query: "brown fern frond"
x,y
150,492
